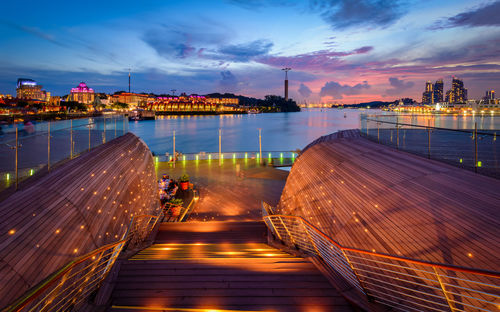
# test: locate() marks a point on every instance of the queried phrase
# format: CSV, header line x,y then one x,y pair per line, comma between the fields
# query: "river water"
x,y
280,131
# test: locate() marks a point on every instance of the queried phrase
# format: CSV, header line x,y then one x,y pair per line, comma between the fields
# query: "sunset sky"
x,y
346,50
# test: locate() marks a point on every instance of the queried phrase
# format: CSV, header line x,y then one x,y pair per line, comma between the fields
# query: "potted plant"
x,y
184,182
175,206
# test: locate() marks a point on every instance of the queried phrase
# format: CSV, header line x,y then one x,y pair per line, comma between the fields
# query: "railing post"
x,y
397,133
104,131
89,133
17,158
475,147
48,146
123,129
443,289
174,149
220,147
115,127
429,138
71,139
260,145
378,130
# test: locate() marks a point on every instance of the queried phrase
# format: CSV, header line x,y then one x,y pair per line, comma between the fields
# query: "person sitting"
x,y
165,178
173,191
170,185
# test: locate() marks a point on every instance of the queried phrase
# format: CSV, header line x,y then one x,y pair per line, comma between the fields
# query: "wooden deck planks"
x,y
372,197
79,206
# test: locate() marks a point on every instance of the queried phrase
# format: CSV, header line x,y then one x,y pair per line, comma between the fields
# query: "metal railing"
x,y
468,146
25,150
398,282
67,288
255,155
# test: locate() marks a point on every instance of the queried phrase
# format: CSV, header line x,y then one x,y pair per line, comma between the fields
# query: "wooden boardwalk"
x,y
226,194
220,266
372,197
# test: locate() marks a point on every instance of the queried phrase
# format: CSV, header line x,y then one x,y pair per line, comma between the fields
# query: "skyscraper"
x,y
427,96
438,91
490,95
457,94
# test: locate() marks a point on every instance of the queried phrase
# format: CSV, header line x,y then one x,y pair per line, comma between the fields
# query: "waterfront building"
x,y
490,96
427,96
438,91
82,94
457,94
28,89
134,100
193,103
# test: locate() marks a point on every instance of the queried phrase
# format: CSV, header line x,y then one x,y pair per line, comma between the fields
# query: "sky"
x,y
344,51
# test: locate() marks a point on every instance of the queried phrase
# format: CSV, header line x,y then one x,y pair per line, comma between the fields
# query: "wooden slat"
x,y
372,197
79,206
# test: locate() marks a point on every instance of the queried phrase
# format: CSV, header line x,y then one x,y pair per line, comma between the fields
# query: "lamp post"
x,y
286,69
260,145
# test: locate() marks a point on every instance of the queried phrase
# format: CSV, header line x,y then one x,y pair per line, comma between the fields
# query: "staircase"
x,y
220,266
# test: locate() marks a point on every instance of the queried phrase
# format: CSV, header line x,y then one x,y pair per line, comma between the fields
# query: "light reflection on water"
x,y
280,131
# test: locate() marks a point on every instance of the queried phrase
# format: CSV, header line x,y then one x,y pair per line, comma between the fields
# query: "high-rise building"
x,y
28,89
427,96
490,95
458,91
82,94
438,91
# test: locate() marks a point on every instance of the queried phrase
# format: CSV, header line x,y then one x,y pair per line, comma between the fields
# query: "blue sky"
x,y
340,50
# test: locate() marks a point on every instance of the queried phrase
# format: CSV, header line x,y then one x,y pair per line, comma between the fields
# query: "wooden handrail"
x,y
386,256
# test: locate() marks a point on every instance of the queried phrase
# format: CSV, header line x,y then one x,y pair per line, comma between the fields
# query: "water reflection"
x,y
280,131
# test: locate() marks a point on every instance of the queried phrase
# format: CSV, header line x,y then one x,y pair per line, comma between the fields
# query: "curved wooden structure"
x,y
369,196
80,206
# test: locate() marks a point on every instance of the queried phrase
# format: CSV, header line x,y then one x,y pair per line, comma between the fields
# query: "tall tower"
x,y
286,69
438,91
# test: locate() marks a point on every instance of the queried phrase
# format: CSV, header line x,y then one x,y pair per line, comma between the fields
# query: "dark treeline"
x,y
380,104
270,103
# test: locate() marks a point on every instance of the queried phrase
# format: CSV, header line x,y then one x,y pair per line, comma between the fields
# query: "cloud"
x,y
35,32
228,82
181,41
304,90
246,51
398,86
337,91
341,14
323,60
487,15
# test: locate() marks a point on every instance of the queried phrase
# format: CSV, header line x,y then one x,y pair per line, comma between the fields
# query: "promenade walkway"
x,y
220,266
227,194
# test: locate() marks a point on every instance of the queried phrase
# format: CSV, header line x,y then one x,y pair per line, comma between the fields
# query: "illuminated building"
x,y
427,96
223,101
193,103
457,94
82,94
132,99
438,91
28,89
490,96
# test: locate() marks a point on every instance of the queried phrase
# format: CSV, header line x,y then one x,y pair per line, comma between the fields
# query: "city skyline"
x,y
341,51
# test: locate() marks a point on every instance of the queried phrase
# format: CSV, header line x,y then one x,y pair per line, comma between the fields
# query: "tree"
x,y
75,106
119,105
